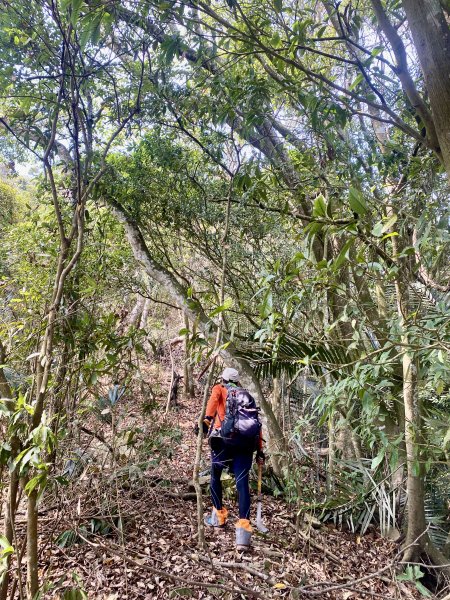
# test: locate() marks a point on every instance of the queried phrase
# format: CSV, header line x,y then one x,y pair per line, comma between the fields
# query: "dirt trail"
x,y
150,533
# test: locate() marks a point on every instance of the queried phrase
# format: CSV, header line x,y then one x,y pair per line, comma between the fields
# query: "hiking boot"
x,y
243,535
218,518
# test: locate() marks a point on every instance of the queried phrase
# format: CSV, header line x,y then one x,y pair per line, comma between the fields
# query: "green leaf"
x,y
320,207
64,4
276,40
225,306
4,543
33,483
90,29
76,7
408,251
343,254
389,223
359,78
389,235
377,229
357,202
447,438
278,5
378,459
422,589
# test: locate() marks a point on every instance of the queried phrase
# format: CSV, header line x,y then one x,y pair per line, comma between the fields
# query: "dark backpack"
x,y
241,426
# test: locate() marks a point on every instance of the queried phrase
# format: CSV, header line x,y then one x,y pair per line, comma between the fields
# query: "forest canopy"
x,y
265,183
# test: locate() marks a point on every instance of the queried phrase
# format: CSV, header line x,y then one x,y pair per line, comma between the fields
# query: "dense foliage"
x,y
278,170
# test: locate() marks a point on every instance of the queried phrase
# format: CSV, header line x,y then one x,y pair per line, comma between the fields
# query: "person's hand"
x,y
205,426
260,457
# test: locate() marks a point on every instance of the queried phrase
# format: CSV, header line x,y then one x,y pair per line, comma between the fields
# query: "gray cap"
x,y
230,374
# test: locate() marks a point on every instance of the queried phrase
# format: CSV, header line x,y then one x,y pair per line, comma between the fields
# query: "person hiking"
x,y
232,445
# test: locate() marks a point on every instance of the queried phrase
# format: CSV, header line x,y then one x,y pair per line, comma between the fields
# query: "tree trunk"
x,y
331,452
145,313
277,399
8,524
431,35
417,540
135,316
32,546
415,484
198,456
189,390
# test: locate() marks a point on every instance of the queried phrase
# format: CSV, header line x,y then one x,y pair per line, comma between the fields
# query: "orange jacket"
x,y
216,405
216,408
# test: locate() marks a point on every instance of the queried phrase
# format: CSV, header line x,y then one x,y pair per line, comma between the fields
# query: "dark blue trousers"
x,y
239,463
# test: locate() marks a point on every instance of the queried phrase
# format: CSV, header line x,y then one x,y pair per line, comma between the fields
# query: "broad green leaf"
x,y
278,5
276,40
76,7
4,543
389,223
35,481
447,438
358,79
378,459
90,28
343,254
357,202
64,4
377,229
320,207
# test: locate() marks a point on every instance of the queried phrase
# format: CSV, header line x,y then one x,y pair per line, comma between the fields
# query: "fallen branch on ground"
x,y
118,551
317,546
242,566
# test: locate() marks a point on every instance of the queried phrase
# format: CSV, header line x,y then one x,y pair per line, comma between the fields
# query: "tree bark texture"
x,y
32,546
415,484
189,388
8,524
431,35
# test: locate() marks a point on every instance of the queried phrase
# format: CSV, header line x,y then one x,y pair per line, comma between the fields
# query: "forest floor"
x,y
127,529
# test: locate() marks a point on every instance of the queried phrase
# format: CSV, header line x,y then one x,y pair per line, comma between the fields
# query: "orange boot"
x,y
218,518
243,535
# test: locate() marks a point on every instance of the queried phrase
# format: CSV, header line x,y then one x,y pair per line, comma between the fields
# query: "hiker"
x,y
232,450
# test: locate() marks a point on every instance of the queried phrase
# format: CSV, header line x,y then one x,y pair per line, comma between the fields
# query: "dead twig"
x,y
97,436
317,546
118,551
239,566
351,584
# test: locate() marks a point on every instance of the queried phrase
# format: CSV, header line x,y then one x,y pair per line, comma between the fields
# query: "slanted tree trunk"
x,y
145,313
134,318
431,35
